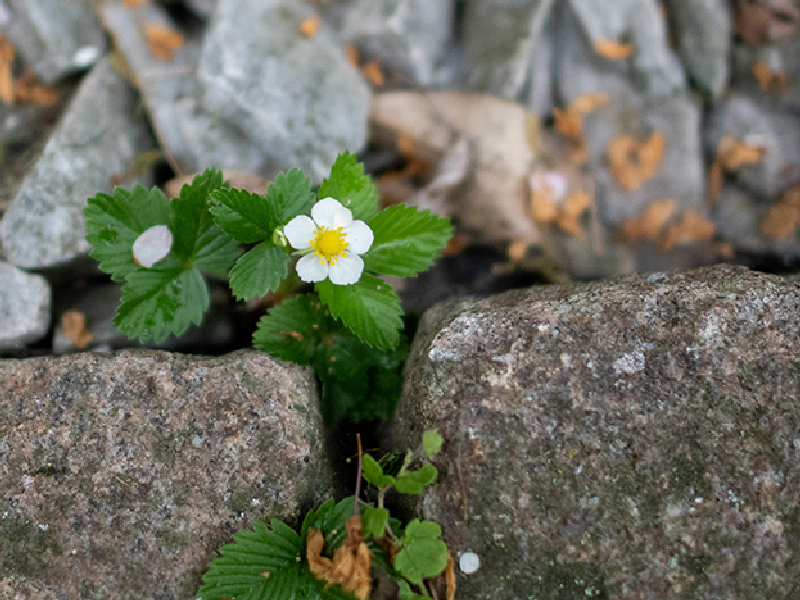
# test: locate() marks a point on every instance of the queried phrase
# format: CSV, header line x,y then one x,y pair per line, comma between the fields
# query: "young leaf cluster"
x,y
271,562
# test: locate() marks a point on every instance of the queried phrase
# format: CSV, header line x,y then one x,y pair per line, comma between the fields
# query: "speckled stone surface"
x,y
636,439
122,475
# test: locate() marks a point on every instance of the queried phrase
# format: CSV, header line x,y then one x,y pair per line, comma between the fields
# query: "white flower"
x,y
331,241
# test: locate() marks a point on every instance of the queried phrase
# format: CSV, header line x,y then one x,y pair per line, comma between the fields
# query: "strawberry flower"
x,y
331,243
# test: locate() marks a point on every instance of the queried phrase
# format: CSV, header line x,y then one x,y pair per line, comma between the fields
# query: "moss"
x,y
164,449
26,546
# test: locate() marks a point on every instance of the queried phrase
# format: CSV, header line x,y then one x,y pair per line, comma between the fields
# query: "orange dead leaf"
x,y
405,144
295,334
351,54
26,89
574,207
162,41
372,71
568,121
783,218
455,245
693,227
518,250
724,250
586,103
73,322
545,189
632,162
133,3
613,50
308,28
450,578
732,153
350,566
648,224
714,186
6,80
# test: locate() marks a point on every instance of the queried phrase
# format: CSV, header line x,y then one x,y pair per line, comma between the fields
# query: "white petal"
x,y
152,245
312,268
359,237
329,213
347,269
300,232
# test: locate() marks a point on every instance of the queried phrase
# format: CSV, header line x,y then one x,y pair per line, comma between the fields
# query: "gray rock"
x,y
298,98
704,40
513,64
204,8
409,35
122,475
193,138
24,307
679,175
55,37
783,60
652,68
99,136
758,122
628,439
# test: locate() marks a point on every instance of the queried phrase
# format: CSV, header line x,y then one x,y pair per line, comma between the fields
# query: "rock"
x,y
492,207
651,68
780,65
408,35
703,30
203,8
55,38
99,136
297,98
193,138
678,175
24,307
757,122
514,64
122,475
633,438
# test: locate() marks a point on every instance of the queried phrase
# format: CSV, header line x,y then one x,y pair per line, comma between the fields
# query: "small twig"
x,y
358,476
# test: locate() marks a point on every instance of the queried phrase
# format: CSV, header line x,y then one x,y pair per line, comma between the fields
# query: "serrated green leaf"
x,y
423,554
407,240
159,302
373,472
412,482
373,521
259,271
432,442
200,242
114,222
331,520
368,307
349,185
292,193
248,218
292,330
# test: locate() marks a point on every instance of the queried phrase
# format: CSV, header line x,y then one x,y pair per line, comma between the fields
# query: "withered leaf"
x,y
613,50
633,162
6,79
372,71
732,153
73,322
784,217
649,223
350,566
162,41
586,103
714,185
308,28
693,227
27,89
568,121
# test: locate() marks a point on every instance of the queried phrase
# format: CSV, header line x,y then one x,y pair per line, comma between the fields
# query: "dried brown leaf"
x,y
351,562
450,577
633,163
28,89
715,179
569,122
648,224
372,71
586,103
732,153
613,50
769,79
693,227
162,41
6,79
309,28
134,3
73,322
351,54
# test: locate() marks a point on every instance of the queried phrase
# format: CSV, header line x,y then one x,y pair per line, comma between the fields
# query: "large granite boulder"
x,y
122,475
630,439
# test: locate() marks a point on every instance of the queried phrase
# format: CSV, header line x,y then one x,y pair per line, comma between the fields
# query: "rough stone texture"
x,y
704,40
409,35
298,98
635,439
99,136
122,475
24,307
55,37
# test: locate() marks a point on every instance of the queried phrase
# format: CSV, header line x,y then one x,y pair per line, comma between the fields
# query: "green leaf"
x,y
432,442
292,330
368,307
259,271
292,193
407,594
159,302
412,482
331,520
248,218
114,222
373,521
373,472
348,184
407,240
423,554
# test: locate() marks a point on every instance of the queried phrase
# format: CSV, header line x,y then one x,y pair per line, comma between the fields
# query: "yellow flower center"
x,y
329,244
